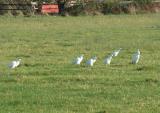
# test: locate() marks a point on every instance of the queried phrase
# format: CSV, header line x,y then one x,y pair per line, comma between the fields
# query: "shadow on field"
x,y
154,27
119,65
21,55
144,81
102,112
8,80
38,65
145,68
150,80
65,44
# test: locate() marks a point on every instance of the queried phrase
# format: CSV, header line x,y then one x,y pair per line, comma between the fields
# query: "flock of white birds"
x,y
108,59
90,62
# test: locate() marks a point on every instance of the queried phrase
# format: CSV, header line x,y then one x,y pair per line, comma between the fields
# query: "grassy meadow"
x,y
47,82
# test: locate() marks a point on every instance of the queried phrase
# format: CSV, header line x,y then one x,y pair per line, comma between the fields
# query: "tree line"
x,y
84,7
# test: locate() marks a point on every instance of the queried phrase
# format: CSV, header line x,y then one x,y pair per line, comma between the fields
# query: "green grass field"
x,y
47,82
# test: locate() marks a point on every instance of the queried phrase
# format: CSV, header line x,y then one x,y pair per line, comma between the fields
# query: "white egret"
x,y
78,60
108,59
136,57
18,62
15,64
116,52
91,61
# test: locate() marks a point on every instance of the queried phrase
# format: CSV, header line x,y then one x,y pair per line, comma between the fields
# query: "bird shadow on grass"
x,y
65,44
38,65
21,55
144,81
101,111
8,79
151,80
145,68
154,27
118,65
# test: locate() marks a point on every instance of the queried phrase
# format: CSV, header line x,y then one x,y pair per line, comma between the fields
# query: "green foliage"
x,y
109,5
143,2
90,8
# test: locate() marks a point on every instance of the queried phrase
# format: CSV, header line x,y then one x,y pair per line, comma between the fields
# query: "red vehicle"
x,y
50,8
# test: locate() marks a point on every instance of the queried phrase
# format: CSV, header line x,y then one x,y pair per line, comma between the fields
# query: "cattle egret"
x,y
107,61
78,60
15,64
91,61
116,52
18,62
136,57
